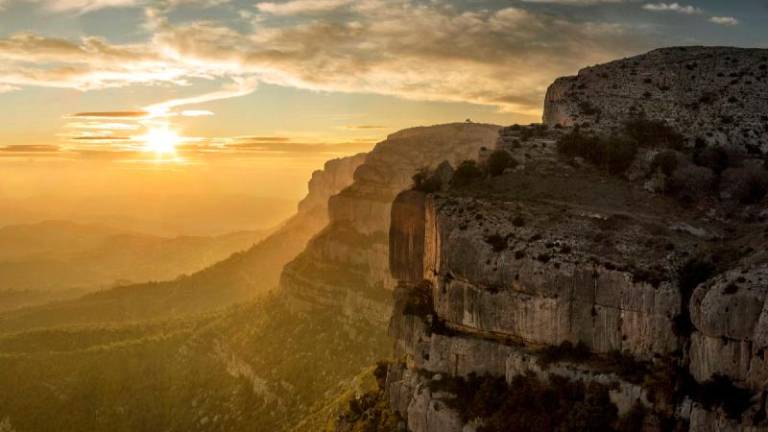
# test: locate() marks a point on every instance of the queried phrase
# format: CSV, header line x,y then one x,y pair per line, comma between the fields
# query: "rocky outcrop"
x,y
554,269
332,179
712,94
347,263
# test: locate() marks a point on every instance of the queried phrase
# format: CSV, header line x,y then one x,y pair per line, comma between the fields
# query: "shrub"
x,y
666,161
691,183
750,185
566,351
614,154
528,404
499,161
497,242
654,133
720,391
426,181
419,300
466,173
714,158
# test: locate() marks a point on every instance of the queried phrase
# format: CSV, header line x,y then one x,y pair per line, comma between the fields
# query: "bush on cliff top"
x,y
499,161
426,181
653,133
613,154
466,173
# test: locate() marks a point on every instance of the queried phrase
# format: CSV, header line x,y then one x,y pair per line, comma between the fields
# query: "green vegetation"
x,y
254,367
653,133
369,412
419,300
426,181
612,154
528,404
466,173
499,161
719,391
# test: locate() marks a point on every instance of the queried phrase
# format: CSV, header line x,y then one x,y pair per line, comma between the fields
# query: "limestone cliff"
x,y
558,270
713,94
346,265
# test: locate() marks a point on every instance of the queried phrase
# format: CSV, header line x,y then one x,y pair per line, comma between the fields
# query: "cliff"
x,y
564,277
715,94
346,265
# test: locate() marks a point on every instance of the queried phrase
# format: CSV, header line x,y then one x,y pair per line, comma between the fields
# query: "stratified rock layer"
x,y
347,263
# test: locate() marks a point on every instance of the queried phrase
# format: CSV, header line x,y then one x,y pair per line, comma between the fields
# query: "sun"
x,y
161,141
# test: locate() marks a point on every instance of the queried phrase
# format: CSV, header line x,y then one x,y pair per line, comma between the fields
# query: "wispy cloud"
x,y
364,127
672,7
723,20
575,2
30,148
239,87
297,7
405,48
112,114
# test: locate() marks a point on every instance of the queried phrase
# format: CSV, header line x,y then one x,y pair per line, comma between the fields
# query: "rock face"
x,y
335,176
664,301
718,95
347,263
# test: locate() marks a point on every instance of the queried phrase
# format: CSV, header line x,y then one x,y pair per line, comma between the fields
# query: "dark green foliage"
x,y
419,300
169,376
527,404
466,173
720,391
752,187
425,181
565,352
613,154
653,133
499,161
497,242
666,161
369,412
714,158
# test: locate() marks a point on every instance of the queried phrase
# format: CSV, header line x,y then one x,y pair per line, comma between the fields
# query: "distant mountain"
x,y
238,278
152,212
59,256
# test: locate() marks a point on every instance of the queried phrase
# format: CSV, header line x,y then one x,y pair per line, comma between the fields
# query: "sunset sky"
x,y
248,96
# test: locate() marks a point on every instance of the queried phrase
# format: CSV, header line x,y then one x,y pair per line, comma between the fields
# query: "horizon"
x,y
234,97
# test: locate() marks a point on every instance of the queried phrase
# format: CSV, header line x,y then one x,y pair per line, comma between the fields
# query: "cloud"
x,y
672,7
101,138
407,49
30,148
364,127
298,149
297,7
112,114
404,48
196,113
83,6
726,21
240,87
86,64
575,2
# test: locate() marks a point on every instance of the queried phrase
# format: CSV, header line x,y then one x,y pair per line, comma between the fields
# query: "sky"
x,y
248,97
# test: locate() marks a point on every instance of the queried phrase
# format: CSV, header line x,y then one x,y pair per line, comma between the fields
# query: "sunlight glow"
x,y
161,141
